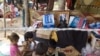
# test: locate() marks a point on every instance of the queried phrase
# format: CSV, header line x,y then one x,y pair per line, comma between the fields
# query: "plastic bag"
x,y
48,21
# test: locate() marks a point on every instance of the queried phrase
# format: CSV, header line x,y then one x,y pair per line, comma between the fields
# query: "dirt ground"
x,y
16,24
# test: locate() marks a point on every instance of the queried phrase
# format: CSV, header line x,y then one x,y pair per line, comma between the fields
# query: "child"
x,y
52,49
29,43
41,49
14,51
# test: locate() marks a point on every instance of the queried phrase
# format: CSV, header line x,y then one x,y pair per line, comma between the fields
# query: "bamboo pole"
x,y
50,5
27,18
4,19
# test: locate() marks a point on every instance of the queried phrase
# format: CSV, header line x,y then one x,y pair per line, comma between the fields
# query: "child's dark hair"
x,y
41,48
13,37
52,43
28,35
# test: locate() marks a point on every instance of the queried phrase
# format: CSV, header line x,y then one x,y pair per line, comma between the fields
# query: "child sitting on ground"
x,y
29,43
40,50
14,51
52,49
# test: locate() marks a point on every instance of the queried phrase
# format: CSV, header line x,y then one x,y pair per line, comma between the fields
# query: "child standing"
x,y
14,51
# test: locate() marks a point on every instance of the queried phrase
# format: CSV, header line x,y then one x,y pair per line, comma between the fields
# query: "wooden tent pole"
x,y
50,5
26,8
4,18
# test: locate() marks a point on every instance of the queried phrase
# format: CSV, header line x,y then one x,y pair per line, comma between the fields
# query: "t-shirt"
x,y
13,50
32,45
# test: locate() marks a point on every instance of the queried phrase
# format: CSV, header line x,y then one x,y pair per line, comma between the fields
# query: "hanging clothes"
x,y
71,4
43,3
79,39
50,5
74,22
64,37
54,36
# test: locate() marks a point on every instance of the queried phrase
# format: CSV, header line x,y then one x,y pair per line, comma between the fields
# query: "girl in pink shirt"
x,y
14,51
